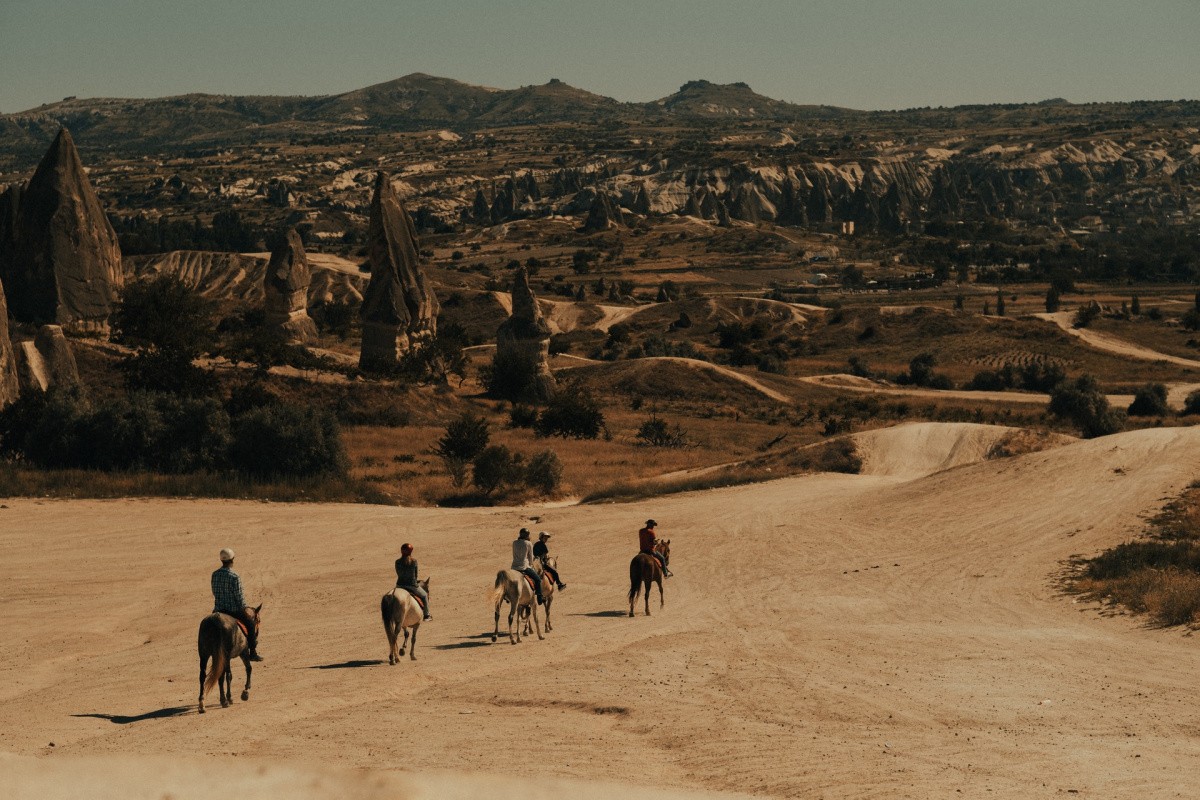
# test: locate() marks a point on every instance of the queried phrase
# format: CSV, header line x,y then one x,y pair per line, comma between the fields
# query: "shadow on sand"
x,y
162,713
601,614
355,664
462,645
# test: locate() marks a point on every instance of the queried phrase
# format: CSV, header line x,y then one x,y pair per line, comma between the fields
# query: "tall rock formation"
x,y
9,388
285,290
65,263
47,361
398,305
603,214
525,335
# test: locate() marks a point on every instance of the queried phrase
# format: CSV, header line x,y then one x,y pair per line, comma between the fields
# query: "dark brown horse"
x,y
221,639
645,570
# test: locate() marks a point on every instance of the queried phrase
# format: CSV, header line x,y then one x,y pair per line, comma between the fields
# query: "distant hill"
x,y
705,99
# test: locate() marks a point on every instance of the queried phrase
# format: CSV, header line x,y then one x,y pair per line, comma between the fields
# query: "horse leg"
x,y
404,646
203,672
549,599
225,683
647,597
512,609
661,602
412,651
536,626
496,632
246,691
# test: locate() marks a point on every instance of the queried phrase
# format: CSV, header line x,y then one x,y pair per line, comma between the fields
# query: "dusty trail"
x,y
1114,344
870,636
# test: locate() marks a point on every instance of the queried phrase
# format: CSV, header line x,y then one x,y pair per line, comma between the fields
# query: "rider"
x,y
406,576
647,538
228,599
541,550
523,561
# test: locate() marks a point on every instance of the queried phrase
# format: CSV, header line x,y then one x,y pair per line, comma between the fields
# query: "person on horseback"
x,y
523,561
228,599
541,550
406,576
647,539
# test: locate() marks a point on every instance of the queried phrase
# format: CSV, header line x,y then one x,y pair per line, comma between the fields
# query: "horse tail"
x,y
389,608
498,590
220,662
635,579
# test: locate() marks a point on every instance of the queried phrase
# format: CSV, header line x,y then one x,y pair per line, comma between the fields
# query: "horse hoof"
x,y
401,652
493,638
245,696
200,710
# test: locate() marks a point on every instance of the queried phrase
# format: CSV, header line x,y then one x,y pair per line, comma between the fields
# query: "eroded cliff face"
x,y
398,304
59,256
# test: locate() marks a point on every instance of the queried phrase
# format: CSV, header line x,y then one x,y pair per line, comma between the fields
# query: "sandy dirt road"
x,y
1114,344
826,636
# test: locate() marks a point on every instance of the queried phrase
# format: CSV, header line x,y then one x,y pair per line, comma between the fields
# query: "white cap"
x,y
226,554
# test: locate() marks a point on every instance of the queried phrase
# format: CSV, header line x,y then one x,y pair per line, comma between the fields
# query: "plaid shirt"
x,y
227,592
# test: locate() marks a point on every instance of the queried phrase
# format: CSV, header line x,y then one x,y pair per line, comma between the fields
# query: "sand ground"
x,y
896,634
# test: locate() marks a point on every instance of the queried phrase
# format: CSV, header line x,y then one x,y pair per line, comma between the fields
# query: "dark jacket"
x,y
406,572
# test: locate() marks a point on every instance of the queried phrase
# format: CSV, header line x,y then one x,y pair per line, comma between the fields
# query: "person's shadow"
x,y
121,719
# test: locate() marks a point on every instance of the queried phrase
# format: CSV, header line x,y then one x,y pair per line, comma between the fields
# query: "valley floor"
x,y
885,634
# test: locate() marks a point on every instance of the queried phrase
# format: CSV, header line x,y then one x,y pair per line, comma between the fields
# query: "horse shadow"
x,y
353,664
600,614
121,719
467,641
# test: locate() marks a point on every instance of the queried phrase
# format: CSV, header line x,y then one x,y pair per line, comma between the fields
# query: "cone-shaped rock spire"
x,y
285,290
526,336
9,388
65,263
398,305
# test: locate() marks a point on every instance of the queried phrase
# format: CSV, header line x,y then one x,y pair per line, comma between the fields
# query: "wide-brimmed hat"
x,y
650,523
226,554
543,535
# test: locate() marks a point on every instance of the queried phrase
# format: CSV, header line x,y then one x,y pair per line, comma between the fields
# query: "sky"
x,y
867,54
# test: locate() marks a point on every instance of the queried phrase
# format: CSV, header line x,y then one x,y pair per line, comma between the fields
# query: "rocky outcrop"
x,y
285,290
398,305
526,336
47,361
63,263
603,214
641,201
9,388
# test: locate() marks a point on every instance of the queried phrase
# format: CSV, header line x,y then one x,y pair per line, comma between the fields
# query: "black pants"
x,y
537,581
553,573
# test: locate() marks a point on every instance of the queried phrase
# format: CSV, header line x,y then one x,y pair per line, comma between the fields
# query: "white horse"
x,y
401,611
548,589
512,588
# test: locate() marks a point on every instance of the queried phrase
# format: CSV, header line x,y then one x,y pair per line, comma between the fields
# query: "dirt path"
x,y
1114,344
872,636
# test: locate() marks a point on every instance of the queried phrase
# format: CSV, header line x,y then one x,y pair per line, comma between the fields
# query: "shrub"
x,y
511,376
1053,299
544,472
1154,313
465,438
522,416
571,413
1039,377
1191,320
283,440
1083,404
1086,314
1191,405
1150,401
655,432
988,381
496,466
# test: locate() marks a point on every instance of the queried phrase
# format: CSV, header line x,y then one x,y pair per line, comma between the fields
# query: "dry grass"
x,y
75,483
1157,575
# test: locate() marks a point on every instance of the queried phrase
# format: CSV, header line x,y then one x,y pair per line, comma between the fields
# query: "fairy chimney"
x,y
285,290
526,335
9,388
398,306
65,264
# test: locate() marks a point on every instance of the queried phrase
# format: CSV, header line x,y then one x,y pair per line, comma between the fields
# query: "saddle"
x,y
240,624
415,596
529,580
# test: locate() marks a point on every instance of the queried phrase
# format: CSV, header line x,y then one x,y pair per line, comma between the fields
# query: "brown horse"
x,y
401,611
221,639
645,570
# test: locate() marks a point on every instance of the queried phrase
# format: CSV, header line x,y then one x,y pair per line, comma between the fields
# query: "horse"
x,y
644,569
221,639
512,588
548,589
401,611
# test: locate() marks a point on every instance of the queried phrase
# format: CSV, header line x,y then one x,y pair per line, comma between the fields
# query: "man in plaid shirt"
x,y
228,599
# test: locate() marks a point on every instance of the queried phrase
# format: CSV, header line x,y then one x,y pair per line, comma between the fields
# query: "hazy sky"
x,y
871,54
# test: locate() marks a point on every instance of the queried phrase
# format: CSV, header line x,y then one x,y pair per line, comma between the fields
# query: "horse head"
x,y
664,547
256,616
424,585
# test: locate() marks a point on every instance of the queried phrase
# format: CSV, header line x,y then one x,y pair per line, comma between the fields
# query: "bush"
x,y
989,381
465,438
496,466
282,440
655,432
1192,404
522,416
1087,314
1083,404
1038,377
545,472
1150,401
511,376
571,413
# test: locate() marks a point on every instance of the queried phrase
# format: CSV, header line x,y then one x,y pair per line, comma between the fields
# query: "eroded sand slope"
x,y
841,636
